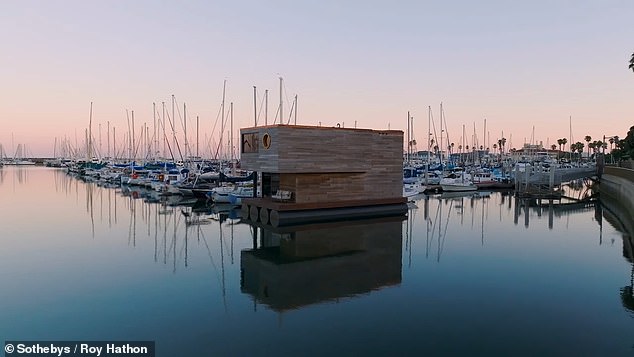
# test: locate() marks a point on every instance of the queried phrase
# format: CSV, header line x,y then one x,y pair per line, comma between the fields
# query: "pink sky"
x,y
517,65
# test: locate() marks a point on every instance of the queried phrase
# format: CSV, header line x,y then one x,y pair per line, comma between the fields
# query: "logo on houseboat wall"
x,y
266,140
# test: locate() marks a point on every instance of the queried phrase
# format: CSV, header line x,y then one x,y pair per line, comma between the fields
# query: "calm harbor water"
x,y
483,275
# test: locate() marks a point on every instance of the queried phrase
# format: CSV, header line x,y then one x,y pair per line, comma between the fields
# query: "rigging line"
x,y
290,114
202,233
175,139
285,94
276,113
443,116
433,124
433,231
442,245
261,107
180,117
213,129
184,244
167,142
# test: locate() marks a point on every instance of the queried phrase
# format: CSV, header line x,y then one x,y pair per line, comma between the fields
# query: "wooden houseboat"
x,y
311,173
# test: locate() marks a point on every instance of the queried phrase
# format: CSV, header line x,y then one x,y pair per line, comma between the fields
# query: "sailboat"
x,y
458,181
413,184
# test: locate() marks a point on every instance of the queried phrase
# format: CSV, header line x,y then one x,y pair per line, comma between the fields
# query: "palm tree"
x,y
564,141
573,148
611,142
560,142
632,62
588,138
580,146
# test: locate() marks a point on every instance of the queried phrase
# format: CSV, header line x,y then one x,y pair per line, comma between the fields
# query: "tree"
x,y
553,147
501,144
578,148
592,146
632,62
588,138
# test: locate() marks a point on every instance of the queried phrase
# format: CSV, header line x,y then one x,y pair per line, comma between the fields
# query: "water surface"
x,y
483,275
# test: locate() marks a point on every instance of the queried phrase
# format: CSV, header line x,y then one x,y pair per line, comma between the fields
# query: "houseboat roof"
x,y
333,128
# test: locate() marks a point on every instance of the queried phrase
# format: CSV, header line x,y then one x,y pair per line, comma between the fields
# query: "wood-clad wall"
x,y
330,164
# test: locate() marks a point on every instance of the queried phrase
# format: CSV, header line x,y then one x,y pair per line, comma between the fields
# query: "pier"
x,y
538,182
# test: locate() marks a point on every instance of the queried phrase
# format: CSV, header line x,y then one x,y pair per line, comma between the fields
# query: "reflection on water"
x,y
303,265
477,274
623,221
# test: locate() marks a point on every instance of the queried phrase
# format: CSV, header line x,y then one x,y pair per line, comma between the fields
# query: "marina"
x,y
317,178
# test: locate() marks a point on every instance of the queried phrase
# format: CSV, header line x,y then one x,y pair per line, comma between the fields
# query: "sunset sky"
x,y
518,64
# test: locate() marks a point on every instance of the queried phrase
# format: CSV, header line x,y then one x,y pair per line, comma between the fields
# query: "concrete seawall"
x,y
617,194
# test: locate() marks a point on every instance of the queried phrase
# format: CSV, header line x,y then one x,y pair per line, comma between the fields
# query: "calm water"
x,y
460,276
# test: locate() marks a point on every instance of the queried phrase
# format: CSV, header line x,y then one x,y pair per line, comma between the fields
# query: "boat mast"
x,y
164,136
281,104
484,133
174,124
266,107
133,138
222,120
441,133
233,165
108,137
185,128
155,149
428,145
255,106
408,142
197,137
89,143
114,141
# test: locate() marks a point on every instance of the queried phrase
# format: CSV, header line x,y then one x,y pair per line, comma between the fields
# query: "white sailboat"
x,y
458,181
414,185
